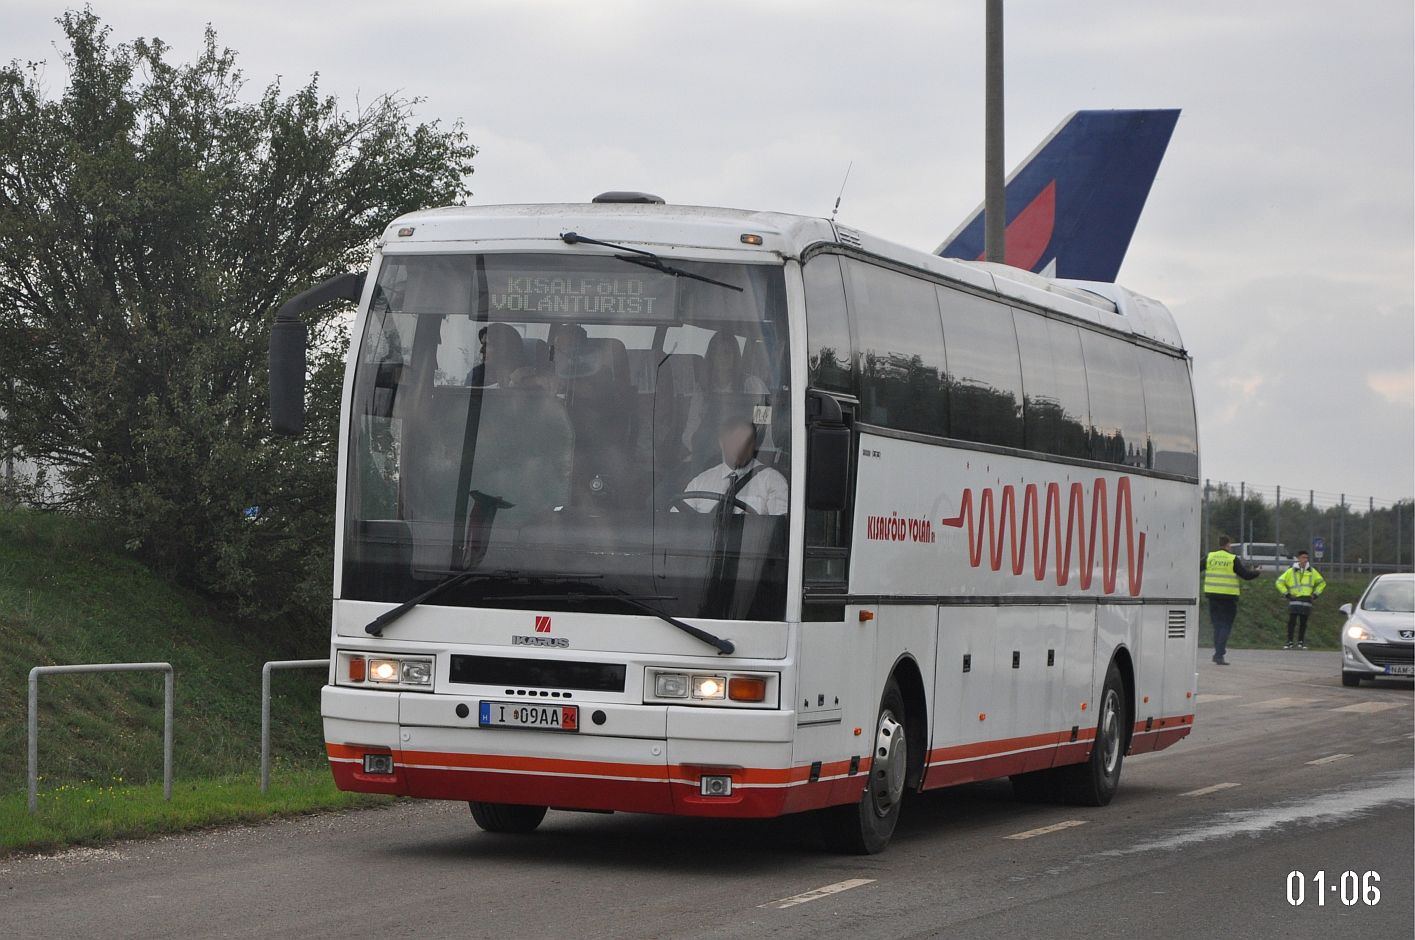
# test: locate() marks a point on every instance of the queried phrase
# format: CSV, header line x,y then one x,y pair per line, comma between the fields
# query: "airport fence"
x,y
1346,533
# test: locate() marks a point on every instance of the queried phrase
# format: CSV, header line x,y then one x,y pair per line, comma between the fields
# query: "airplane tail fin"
x,y
1072,205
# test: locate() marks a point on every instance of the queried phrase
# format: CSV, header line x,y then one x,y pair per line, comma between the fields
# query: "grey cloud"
x,y
1279,229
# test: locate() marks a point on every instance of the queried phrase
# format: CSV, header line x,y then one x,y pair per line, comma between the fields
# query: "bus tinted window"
x,y
1117,401
900,349
984,374
830,357
1169,407
1056,412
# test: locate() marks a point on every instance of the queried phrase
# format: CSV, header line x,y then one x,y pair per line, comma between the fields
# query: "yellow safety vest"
x,y
1297,583
1219,576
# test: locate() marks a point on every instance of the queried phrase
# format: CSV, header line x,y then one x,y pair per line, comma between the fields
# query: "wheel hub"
x,y
890,764
1110,732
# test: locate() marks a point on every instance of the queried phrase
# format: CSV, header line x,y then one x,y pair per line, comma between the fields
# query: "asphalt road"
x,y
1286,771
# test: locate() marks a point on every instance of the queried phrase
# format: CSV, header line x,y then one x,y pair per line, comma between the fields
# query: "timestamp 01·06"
x,y
1350,887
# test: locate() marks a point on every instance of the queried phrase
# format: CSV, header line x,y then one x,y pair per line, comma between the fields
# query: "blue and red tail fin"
x,y
1073,204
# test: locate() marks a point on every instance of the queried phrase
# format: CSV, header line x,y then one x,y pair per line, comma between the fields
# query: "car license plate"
x,y
539,717
1401,669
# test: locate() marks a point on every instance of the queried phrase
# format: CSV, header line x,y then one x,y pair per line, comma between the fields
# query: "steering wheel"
x,y
682,500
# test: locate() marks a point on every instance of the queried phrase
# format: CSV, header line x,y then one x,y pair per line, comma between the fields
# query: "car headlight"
x,y
1357,632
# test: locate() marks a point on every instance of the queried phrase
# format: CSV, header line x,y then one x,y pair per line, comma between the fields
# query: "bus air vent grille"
x,y
1178,624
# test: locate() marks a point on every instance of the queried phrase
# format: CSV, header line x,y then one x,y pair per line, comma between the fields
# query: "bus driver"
x,y
740,476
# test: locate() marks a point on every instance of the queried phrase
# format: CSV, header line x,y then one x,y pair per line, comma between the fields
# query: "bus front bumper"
x,y
640,758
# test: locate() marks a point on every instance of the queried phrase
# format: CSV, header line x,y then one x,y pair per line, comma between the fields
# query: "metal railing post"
x,y
33,723
265,672
1277,523
168,693
32,729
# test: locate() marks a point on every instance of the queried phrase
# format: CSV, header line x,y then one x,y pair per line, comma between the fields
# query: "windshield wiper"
x,y
375,626
643,258
636,601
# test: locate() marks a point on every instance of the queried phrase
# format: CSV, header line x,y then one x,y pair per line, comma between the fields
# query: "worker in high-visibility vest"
x,y
1301,585
1222,573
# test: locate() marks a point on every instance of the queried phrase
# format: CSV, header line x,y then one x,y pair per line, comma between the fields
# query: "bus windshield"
x,y
570,431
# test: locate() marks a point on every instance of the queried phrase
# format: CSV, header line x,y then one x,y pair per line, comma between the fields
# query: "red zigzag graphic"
x,y
1047,532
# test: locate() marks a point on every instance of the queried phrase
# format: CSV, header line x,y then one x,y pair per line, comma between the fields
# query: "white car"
x,y
1264,556
1379,636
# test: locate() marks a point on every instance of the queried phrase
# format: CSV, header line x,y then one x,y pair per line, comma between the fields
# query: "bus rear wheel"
x,y
1094,781
506,817
865,828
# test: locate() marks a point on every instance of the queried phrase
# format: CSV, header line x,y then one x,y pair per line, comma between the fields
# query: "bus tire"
x,y
1094,782
865,828
506,817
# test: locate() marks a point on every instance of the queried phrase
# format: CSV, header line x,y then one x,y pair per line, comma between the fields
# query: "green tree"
x,y
152,217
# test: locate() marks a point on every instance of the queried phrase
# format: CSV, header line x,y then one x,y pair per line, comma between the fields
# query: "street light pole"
x,y
994,191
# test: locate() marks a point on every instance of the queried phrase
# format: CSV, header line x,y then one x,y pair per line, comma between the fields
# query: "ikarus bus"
x,y
710,512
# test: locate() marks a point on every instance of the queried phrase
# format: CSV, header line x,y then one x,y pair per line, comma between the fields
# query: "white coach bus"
x,y
721,513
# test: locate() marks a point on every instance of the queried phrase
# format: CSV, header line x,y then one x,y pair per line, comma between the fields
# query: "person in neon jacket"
x,y
1301,585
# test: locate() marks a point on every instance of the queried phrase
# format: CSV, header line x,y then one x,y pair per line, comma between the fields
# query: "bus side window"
x,y
899,349
984,372
1169,409
1118,433
830,355
1055,411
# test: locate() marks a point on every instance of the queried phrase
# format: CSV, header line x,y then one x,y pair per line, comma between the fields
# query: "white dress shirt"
x,y
767,491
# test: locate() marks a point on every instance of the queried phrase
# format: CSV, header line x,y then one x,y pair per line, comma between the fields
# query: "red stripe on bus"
x,y
683,773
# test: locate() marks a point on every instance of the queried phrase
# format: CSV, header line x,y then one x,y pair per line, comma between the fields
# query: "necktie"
x,y
735,486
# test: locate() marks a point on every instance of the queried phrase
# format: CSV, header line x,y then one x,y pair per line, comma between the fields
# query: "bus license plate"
x,y
1401,669
539,717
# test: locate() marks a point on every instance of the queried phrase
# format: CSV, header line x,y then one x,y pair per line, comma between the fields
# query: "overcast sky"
x,y
1280,230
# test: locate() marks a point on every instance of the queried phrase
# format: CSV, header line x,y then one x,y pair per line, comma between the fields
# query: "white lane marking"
x,y
1330,758
1280,702
1205,791
1213,697
1045,830
1366,708
1337,806
818,893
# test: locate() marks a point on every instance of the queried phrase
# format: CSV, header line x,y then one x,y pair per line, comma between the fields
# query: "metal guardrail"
x,y
37,671
265,672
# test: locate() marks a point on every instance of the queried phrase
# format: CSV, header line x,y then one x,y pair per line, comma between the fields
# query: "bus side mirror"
x,y
287,376
288,340
828,448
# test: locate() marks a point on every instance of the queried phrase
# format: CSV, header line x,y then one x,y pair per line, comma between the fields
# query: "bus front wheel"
x,y
506,817
865,828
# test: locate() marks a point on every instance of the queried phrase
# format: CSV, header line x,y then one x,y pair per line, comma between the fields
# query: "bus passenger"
x,y
741,477
723,376
502,354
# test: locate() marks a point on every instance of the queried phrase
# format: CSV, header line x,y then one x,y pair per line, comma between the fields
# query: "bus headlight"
x,y
713,688
709,686
383,670
390,672
670,685
417,672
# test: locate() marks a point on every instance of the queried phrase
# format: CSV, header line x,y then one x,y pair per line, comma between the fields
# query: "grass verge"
x,y
1262,615
90,813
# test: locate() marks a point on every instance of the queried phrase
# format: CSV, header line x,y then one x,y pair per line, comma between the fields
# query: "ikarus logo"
x,y
557,642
